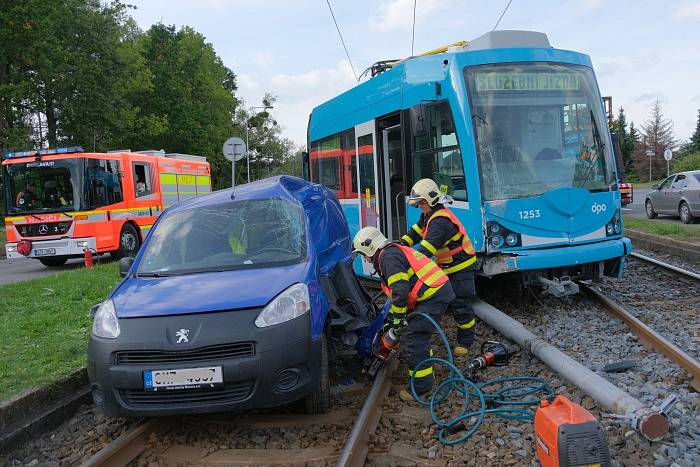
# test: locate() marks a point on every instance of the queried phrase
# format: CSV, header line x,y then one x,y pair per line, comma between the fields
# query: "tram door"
x,y
367,180
393,202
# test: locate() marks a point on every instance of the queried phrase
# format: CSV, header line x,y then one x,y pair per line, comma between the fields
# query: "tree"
x,y
626,140
634,142
657,136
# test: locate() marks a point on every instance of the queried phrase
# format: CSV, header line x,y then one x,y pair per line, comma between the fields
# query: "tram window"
x,y
436,153
325,161
326,171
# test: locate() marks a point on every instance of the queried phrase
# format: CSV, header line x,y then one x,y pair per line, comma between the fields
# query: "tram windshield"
x,y
539,127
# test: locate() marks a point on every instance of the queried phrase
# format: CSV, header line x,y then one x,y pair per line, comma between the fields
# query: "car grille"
x,y
230,392
43,229
212,352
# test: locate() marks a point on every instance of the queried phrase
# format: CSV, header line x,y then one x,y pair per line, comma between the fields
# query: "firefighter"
x,y
26,199
439,233
415,284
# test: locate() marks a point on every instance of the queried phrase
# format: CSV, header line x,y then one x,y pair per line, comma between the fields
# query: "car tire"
x,y
649,208
54,261
684,213
319,401
129,242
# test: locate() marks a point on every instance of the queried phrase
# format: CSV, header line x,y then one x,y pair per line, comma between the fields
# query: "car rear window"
x,y
259,233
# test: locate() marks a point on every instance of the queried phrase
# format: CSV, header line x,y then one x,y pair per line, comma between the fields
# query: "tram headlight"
x,y
496,241
610,229
511,239
494,228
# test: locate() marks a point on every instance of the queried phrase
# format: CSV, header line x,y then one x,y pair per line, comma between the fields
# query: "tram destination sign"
x,y
513,81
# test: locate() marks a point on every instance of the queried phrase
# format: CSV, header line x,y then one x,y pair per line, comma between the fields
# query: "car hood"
x,y
199,293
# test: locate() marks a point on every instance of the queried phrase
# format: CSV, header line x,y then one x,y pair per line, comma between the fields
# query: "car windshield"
x,y
539,127
43,186
258,233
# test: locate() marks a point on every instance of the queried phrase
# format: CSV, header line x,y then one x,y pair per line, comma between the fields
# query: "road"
x,y
636,209
16,270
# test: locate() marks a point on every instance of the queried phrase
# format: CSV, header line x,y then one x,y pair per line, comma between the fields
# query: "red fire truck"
x,y
61,202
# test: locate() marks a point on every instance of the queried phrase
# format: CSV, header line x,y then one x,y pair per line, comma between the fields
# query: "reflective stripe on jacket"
x,y
424,271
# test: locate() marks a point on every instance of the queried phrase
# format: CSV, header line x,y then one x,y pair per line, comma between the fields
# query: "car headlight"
x,y
288,305
106,323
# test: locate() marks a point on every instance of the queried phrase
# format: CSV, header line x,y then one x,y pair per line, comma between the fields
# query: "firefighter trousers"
x,y
461,307
416,340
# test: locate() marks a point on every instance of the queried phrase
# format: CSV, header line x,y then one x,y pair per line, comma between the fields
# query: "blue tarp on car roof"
x,y
327,227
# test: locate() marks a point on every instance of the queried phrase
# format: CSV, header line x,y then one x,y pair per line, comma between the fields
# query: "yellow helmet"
x,y
428,190
368,241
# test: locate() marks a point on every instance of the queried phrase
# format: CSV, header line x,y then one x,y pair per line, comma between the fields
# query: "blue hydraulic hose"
x,y
504,399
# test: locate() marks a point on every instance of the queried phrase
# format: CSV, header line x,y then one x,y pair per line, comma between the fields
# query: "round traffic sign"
x,y
234,149
668,154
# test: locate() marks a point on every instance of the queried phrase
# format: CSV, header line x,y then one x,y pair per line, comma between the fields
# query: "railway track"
x,y
135,442
667,266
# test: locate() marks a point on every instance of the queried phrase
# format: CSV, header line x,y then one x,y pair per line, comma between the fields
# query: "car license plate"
x,y
44,251
183,378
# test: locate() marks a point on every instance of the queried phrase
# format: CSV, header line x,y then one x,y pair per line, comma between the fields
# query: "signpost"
x,y
649,154
234,149
668,155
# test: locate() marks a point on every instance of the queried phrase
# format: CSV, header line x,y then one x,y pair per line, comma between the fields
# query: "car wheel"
x,y
684,212
651,214
54,261
129,242
319,401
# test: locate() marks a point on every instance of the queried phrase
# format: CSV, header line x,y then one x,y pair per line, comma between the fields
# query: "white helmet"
x,y
428,190
368,241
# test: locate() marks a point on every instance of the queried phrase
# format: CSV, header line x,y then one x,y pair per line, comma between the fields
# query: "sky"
x,y
641,50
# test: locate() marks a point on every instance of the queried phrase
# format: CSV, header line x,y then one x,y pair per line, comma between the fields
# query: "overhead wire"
x,y
342,41
504,12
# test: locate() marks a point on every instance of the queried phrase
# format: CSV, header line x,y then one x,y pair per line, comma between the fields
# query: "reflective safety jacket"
x,y
408,277
442,235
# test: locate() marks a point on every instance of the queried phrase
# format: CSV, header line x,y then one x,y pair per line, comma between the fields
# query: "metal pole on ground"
x,y
650,422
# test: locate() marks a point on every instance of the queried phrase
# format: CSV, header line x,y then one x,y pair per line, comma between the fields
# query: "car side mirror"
x,y
125,265
655,187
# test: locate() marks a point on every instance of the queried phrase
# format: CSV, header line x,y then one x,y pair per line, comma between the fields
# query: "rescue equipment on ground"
x,y
566,435
492,354
88,258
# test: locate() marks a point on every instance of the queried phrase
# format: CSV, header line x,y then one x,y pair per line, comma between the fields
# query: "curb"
x,y
36,411
687,250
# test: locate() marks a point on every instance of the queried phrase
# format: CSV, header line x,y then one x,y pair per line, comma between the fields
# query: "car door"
x,y
660,196
675,192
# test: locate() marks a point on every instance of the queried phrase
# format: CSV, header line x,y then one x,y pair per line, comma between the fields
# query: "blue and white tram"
x,y
513,129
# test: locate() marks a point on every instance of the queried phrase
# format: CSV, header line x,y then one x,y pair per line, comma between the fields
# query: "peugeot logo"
x,y
43,229
182,335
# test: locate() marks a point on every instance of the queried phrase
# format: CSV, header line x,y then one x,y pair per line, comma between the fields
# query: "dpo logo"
x,y
598,208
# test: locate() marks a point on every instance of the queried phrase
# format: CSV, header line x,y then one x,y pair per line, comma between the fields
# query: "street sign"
x,y
234,149
649,153
668,154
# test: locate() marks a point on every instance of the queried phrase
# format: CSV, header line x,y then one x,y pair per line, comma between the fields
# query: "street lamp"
x,y
247,127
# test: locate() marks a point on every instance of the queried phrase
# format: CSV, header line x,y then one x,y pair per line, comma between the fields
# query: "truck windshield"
x,y
538,126
43,186
257,233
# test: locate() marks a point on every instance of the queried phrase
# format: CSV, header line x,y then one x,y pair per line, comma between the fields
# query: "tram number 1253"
x,y
531,214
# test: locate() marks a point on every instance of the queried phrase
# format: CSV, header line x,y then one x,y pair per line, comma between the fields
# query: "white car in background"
x,y
678,195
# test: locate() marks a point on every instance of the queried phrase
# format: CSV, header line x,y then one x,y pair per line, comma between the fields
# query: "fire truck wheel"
x,y
129,242
54,261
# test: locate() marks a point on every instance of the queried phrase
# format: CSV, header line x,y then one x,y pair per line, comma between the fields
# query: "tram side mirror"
x,y
125,265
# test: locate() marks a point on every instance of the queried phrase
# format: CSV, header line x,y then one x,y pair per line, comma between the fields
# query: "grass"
x,y
678,232
44,325
647,184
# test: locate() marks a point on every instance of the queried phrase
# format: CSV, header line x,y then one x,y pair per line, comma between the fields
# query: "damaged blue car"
x,y
235,301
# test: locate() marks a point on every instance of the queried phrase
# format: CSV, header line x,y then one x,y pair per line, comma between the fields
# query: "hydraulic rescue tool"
x,y
569,435
492,354
384,348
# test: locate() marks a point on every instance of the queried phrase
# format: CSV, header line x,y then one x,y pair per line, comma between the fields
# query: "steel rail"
x,y
355,450
671,267
129,445
649,336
